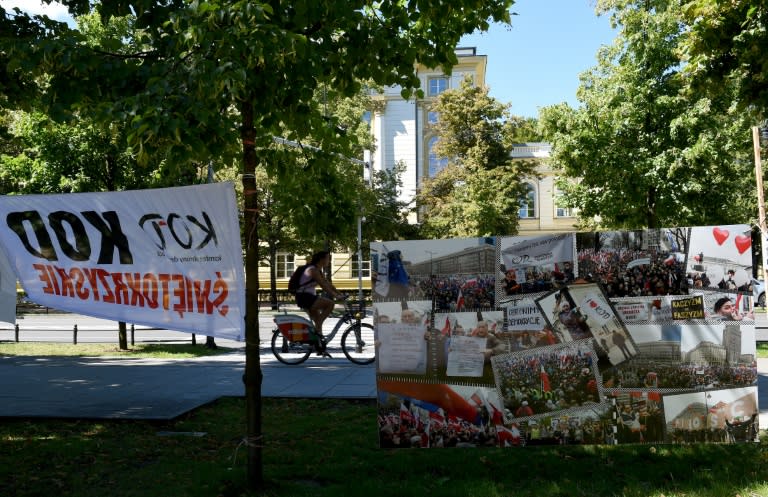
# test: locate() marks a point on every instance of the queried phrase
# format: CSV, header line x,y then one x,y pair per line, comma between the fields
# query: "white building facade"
x,y
404,131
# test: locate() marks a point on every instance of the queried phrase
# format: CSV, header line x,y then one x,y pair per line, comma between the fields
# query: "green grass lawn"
x,y
762,349
329,448
144,351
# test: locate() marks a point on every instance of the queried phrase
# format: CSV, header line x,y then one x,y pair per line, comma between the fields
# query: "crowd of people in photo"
x,y
639,420
524,340
732,431
399,430
699,279
575,431
538,279
641,374
547,382
476,292
663,275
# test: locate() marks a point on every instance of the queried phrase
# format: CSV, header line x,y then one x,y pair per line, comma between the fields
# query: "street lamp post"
x,y
367,167
431,268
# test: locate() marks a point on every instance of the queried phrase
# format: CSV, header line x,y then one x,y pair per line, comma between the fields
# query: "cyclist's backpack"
x,y
294,283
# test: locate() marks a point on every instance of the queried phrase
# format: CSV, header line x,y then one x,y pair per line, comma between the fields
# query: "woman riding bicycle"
x,y
307,299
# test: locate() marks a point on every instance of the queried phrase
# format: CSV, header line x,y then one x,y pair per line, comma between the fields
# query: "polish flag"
x,y
460,301
405,414
447,328
545,386
437,417
506,436
497,417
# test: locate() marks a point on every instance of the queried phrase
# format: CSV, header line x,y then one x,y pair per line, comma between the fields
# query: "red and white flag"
x,y
460,301
405,414
447,328
545,386
507,436
437,418
497,417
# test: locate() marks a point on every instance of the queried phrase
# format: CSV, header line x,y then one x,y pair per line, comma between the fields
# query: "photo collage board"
x,y
611,337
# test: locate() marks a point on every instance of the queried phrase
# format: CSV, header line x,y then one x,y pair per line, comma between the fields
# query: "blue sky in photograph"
x,y
537,61
534,63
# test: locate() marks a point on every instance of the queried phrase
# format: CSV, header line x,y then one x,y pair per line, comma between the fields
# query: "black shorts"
x,y
306,300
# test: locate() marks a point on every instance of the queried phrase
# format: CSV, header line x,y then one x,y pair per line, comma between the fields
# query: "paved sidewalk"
x,y
77,387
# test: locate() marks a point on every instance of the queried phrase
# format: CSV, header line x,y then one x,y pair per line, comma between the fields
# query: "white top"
x,y
306,282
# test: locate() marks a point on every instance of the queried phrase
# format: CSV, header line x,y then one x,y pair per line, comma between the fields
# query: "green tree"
x,y
75,157
641,150
478,192
207,73
725,46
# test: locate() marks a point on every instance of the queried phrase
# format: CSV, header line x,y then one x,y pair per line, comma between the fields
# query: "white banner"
x,y
522,314
170,258
549,249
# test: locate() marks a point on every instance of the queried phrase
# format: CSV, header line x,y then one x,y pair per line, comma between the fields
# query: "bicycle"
x,y
294,339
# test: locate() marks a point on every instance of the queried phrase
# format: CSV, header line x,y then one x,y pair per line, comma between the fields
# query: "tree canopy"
x,y
725,46
642,150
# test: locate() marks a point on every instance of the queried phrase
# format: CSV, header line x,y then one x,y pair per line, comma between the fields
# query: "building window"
x,y
528,202
437,86
561,211
436,163
432,117
285,265
367,117
358,269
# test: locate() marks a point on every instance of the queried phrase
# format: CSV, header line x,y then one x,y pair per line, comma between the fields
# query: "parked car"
x,y
758,292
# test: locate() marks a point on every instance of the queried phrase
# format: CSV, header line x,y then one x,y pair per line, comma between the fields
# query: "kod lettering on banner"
x,y
137,260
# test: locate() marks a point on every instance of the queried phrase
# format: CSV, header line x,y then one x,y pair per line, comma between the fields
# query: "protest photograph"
x,y
633,263
567,321
455,293
612,340
721,416
464,342
546,380
534,264
680,356
589,425
414,415
660,309
526,327
720,257
639,416
400,267
401,332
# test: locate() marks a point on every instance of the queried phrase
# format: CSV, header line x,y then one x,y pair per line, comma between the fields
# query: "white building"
x,y
403,129
404,133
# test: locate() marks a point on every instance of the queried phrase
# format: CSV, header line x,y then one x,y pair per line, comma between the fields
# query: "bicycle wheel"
x,y
289,352
358,344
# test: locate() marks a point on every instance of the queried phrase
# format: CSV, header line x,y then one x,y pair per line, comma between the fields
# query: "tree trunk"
x,y
122,335
253,374
650,205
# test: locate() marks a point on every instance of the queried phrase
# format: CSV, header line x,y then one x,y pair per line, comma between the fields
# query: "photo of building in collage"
x,y
569,338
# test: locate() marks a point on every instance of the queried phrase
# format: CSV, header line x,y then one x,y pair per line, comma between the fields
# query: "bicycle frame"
x,y
353,311
295,337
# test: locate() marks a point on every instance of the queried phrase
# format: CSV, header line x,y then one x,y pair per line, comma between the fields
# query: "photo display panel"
x,y
609,337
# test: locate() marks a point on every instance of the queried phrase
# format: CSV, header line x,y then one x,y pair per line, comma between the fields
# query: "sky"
x,y
534,63
537,61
